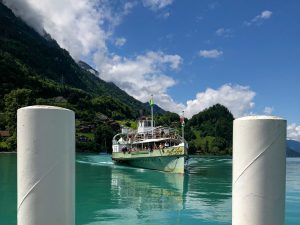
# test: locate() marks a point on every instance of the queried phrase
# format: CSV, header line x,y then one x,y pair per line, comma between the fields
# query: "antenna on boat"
x,y
151,105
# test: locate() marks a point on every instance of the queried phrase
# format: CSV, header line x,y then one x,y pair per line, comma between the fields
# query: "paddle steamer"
x,y
158,148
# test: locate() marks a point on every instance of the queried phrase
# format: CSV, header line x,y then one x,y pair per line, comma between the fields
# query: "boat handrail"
x,y
158,133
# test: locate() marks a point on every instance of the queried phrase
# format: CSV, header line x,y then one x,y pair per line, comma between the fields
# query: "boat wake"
x,y
95,163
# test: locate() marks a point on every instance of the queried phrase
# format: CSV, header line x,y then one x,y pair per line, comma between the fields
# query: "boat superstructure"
x,y
159,148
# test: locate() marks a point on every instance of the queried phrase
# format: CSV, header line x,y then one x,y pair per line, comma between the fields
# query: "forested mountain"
x,y
210,131
35,70
28,60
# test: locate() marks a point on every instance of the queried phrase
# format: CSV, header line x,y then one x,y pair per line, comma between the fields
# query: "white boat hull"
x,y
173,164
170,159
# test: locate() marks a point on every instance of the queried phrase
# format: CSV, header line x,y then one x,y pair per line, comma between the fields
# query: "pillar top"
x,y
259,117
41,107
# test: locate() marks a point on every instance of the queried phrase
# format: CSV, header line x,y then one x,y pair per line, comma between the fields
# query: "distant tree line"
x,y
98,113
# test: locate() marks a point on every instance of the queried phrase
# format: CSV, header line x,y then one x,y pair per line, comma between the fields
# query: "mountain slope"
x,y
28,59
35,70
87,67
293,148
294,145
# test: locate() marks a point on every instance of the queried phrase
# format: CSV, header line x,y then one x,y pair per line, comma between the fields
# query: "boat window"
x,y
147,123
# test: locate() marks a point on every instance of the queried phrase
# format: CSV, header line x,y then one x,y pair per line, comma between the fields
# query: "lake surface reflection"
x,y
111,194
123,195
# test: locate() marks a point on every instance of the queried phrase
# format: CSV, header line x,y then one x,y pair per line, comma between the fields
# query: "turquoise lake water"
x,y
110,194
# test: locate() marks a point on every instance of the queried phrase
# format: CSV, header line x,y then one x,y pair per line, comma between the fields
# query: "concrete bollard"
x,y
259,171
46,166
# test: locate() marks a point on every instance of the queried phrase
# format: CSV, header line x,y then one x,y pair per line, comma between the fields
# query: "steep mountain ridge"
x,y
27,58
87,67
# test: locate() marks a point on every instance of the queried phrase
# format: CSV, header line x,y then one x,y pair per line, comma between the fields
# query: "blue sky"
x,y
264,56
189,54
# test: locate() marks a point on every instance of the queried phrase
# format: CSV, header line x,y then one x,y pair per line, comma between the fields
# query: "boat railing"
x,y
158,133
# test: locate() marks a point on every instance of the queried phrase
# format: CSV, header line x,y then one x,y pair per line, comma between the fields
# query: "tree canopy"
x,y
211,131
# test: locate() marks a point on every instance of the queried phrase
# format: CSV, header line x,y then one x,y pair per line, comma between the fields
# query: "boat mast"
x,y
182,126
151,105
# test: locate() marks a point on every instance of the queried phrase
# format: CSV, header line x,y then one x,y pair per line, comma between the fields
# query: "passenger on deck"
x,y
151,148
124,149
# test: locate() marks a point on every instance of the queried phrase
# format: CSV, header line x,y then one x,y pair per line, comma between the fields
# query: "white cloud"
x,y
214,53
264,15
165,15
80,26
128,6
143,75
268,110
238,99
224,32
120,42
157,4
293,132
27,13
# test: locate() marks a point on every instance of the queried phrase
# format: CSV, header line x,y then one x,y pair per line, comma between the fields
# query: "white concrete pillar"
x,y
46,166
259,171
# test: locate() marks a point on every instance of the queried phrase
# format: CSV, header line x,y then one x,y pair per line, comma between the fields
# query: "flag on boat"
x,y
151,102
182,119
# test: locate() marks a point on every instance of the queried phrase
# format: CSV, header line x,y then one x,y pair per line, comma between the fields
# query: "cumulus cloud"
x,y
264,15
80,26
157,4
268,110
293,132
165,15
120,42
224,32
238,99
25,11
128,6
143,75
214,53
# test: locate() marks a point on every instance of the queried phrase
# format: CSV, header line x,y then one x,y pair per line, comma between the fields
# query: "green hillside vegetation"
x,y
27,59
35,70
210,131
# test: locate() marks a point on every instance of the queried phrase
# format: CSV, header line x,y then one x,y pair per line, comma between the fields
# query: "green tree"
x,y
13,101
103,137
212,130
